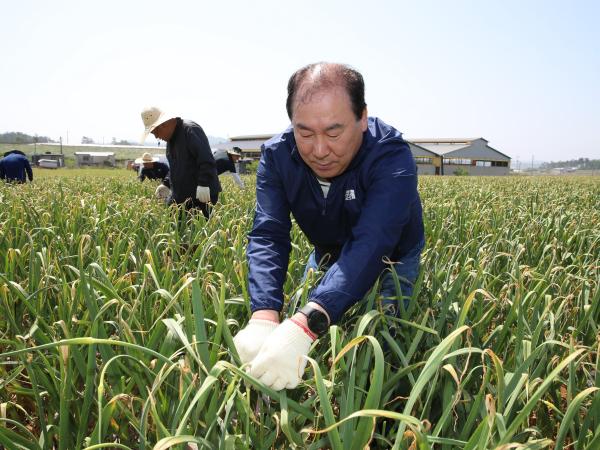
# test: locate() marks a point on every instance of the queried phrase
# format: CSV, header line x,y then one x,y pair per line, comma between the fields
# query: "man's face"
x,y
327,132
165,130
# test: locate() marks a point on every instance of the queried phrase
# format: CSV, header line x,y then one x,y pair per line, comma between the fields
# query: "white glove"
x,y
249,340
162,192
280,362
238,180
203,194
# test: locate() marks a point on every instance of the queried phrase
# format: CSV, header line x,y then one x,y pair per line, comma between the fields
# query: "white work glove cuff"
x,y
249,340
281,361
203,194
162,192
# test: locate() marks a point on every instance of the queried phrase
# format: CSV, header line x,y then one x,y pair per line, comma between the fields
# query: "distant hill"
x,y
124,149
213,140
19,138
16,137
152,142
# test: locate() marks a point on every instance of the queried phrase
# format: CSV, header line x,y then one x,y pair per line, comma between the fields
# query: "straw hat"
x,y
152,117
235,151
147,157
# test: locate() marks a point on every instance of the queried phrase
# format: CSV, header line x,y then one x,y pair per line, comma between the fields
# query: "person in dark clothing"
x,y
350,182
15,167
227,164
193,171
153,169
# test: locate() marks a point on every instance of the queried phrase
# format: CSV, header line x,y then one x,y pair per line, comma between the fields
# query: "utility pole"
x,y
532,162
61,145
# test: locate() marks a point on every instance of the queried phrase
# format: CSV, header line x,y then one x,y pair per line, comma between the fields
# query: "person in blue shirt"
x,y
15,166
350,182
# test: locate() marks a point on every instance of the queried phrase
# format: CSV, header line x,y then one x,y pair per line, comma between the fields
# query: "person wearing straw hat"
x,y
193,170
350,183
152,168
227,164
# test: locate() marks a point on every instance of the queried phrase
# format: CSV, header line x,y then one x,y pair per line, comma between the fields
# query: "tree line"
x,y
16,137
580,163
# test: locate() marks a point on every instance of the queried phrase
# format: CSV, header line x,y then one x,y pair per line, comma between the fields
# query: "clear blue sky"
x,y
523,74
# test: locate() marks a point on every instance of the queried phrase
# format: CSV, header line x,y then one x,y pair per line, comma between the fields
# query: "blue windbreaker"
x,y
14,167
372,211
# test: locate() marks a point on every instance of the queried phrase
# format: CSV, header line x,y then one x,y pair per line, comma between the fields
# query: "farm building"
x,y
58,157
95,159
433,156
474,156
427,161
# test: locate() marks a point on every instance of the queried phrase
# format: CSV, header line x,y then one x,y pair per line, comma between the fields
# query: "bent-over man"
x,y
193,172
350,181
14,167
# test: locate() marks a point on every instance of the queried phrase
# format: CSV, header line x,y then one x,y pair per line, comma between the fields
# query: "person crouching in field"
x,y
15,166
152,168
226,165
193,172
350,181
227,162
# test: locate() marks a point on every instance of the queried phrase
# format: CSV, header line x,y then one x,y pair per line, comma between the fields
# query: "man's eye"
x,y
306,135
333,136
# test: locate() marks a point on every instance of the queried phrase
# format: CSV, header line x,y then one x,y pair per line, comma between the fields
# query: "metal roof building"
x,y
433,156
471,155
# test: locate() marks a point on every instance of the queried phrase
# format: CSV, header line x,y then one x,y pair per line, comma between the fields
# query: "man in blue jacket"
x,y
350,182
14,166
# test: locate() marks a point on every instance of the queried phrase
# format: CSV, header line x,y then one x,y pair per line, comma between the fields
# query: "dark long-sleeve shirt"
x,y
224,163
15,167
191,162
158,171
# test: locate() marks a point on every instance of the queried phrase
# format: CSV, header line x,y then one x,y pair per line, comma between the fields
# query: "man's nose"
x,y
321,149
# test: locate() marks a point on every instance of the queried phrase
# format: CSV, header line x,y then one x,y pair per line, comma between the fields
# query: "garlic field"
x,y
117,316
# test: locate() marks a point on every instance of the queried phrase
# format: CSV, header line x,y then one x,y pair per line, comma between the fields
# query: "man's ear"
x,y
364,120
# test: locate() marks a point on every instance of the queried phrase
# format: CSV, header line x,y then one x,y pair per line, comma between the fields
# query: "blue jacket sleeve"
x,y
28,169
390,196
269,242
2,173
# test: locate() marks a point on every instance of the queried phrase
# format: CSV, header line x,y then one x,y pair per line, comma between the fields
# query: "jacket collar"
x,y
178,126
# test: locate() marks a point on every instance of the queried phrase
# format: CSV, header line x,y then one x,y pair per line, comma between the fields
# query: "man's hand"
x,y
249,340
280,362
203,194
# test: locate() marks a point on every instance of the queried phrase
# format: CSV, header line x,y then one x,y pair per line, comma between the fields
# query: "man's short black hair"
x,y
17,152
326,75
